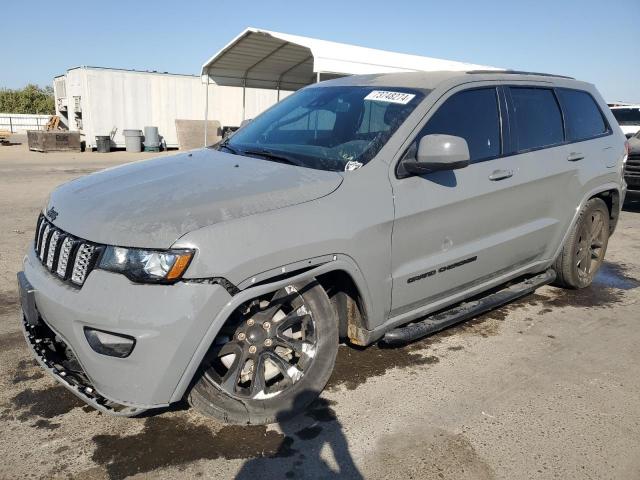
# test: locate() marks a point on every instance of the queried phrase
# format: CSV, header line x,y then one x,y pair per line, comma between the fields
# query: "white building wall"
x,y
133,100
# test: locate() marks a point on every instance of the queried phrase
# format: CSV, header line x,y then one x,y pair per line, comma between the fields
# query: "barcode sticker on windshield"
x,y
391,97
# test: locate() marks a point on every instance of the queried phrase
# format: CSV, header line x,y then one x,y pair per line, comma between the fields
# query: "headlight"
x,y
146,266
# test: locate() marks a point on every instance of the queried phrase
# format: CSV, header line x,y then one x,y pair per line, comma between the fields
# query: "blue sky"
x,y
597,41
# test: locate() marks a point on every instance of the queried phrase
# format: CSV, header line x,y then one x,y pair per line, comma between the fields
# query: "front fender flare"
x,y
254,288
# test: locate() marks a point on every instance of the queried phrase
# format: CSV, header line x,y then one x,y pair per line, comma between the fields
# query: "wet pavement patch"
x,y
12,340
447,455
166,442
8,302
46,424
27,370
615,275
355,365
47,403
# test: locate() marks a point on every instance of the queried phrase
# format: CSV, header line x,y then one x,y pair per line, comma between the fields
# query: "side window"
x,y
582,115
472,115
538,120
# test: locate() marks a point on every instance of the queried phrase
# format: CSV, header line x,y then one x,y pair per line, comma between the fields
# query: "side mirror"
x,y
438,152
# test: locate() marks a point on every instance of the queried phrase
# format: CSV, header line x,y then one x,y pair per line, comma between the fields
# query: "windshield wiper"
x,y
272,156
226,146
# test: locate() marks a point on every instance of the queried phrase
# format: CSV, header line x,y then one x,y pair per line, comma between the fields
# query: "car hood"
x,y
152,203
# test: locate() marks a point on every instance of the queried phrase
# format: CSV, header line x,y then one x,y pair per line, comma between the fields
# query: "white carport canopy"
x,y
264,59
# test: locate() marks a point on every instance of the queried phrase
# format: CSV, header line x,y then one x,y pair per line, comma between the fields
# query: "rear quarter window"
x,y
582,115
538,119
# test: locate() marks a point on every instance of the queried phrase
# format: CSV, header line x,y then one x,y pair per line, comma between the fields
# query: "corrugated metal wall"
x,y
97,100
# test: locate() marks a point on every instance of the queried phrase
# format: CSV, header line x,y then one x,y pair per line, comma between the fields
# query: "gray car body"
x,y
262,225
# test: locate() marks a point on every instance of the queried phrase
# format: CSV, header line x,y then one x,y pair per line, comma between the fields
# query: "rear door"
x,y
457,228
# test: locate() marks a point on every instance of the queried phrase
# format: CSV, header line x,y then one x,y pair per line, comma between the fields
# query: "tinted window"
x,y
472,115
627,116
582,115
538,120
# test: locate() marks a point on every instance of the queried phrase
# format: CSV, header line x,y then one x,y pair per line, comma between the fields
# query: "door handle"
x,y
575,156
500,175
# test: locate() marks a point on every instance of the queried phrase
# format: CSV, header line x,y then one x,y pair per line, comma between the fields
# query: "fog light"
x,y
108,343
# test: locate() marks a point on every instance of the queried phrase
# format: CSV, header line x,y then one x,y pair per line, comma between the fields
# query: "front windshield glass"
x,y
327,128
627,116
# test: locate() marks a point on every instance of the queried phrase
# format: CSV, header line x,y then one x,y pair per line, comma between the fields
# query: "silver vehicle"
x,y
363,209
628,117
632,167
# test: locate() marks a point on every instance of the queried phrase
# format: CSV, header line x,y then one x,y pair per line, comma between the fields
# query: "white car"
x,y
628,117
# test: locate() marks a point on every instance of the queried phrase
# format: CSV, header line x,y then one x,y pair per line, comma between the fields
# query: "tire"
x,y
221,390
585,248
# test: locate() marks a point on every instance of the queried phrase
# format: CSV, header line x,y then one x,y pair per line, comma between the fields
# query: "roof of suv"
x,y
430,80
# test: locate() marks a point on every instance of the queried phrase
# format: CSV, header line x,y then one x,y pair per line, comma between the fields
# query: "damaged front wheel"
x,y
271,359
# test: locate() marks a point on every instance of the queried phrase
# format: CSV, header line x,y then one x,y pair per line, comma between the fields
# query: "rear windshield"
x,y
328,128
627,116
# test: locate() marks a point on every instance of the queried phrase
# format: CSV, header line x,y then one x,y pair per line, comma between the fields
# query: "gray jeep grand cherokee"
x,y
364,209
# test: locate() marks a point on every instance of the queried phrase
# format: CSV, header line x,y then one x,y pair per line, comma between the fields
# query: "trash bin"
x,y
103,143
133,140
151,139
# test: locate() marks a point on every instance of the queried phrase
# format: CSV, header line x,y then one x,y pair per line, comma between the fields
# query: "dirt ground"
x,y
546,387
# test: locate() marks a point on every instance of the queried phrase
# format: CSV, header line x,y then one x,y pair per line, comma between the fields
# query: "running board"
x,y
466,310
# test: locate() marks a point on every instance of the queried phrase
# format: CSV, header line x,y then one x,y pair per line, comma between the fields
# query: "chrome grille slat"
x,y
43,242
63,258
40,232
82,263
36,240
70,258
53,244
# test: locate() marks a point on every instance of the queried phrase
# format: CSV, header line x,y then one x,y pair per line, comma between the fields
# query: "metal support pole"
x,y
206,111
318,77
244,97
10,124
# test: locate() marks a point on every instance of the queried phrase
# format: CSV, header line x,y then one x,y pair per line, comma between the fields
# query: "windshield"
x,y
327,128
627,116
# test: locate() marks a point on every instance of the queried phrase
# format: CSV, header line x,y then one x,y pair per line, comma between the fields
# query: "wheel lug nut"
x,y
268,342
252,349
250,322
266,325
241,336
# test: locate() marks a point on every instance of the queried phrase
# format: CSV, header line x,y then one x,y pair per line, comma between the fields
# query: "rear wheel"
x,y
584,250
271,359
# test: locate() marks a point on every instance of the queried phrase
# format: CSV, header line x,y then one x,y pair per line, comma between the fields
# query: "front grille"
x,y
632,169
64,255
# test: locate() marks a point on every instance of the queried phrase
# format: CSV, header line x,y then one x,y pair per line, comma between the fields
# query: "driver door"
x,y
456,228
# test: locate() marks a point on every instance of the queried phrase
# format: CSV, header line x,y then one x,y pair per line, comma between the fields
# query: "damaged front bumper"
x,y
168,323
55,356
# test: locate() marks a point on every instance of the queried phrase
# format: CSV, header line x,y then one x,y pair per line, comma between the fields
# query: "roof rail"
x,y
519,72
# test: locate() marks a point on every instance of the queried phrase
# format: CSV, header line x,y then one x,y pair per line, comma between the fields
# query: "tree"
x,y
30,99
